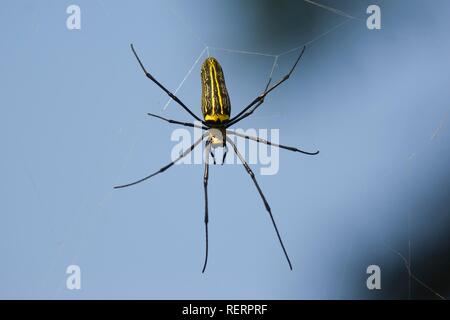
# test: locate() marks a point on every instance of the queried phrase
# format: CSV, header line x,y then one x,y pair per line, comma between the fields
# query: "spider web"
x,y
206,49
205,52
275,57
406,259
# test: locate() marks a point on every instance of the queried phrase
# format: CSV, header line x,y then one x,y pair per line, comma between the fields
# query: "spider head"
x,y
216,137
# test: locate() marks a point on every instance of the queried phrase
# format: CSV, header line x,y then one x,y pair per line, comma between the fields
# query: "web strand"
x,y
413,276
331,9
185,77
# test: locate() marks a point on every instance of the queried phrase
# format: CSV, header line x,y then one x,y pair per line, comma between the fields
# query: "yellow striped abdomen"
x,y
216,105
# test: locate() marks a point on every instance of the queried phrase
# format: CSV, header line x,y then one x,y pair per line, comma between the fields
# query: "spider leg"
x,y
186,124
170,94
212,156
205,187
258,139
225,150
185,153
266,204
260,99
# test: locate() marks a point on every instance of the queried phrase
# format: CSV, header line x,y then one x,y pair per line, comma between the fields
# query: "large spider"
x,y
216,109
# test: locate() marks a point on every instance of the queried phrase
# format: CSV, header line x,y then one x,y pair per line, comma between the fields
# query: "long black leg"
x,y
170,94
205,187
266,204
212,156
185,153
258,139
186,124
225,151
260,99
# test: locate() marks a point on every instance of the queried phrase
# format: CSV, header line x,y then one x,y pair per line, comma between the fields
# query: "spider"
x,y
216,110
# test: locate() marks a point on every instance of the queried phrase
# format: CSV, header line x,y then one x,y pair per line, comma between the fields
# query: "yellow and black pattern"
x,y
216,105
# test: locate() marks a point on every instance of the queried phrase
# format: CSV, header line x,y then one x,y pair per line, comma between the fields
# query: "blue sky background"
x,y
73,125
